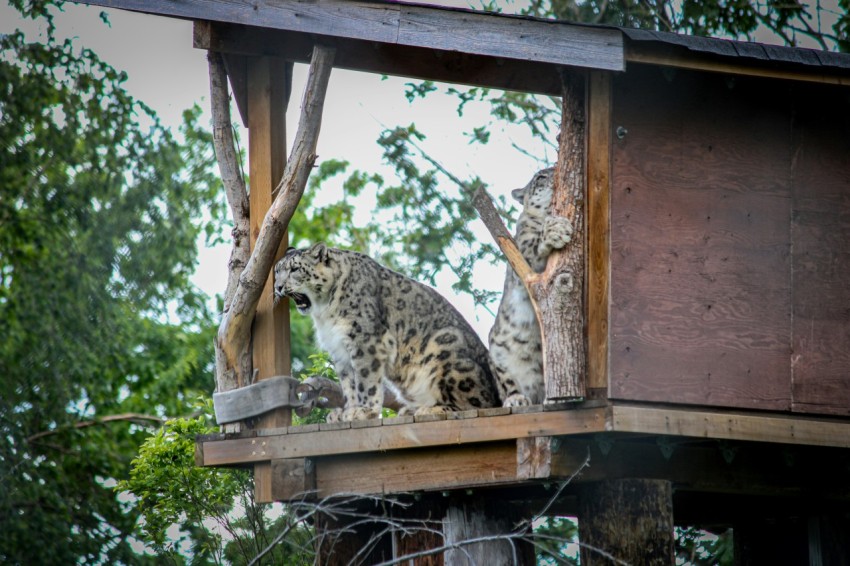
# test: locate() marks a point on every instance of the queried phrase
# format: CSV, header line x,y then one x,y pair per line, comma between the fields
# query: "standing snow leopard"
x,y
515,348
384,329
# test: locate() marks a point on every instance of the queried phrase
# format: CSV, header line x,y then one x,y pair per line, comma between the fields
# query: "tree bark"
x,y
481,519
627,521
235,330
237,198
558,292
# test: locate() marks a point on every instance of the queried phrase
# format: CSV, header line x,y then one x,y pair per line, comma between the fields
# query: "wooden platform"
x,y
498,447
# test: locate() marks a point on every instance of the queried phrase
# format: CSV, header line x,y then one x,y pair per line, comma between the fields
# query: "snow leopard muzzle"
x,y
302,302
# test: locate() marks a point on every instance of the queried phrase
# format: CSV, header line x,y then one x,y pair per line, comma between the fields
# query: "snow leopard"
x,y
515,347
382,328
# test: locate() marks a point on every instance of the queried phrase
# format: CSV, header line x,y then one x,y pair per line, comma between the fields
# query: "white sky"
x,y
169,75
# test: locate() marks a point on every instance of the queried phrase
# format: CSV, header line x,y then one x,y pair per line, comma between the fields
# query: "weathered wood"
x,y
228,375
239,450
598,227
296,477
255,399
269,335
700,240
820,228
439,468
342,536
254,283
424,520
494,224
396,23
485,519
558,293
629,520
383,58
534,457
730,425
664,56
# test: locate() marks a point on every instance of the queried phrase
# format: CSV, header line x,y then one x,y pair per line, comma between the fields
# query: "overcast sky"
x,y
168,74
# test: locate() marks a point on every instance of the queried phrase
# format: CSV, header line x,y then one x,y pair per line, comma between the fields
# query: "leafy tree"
x,y
102,332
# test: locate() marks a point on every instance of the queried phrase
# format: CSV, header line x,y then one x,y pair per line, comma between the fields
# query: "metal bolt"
x,y
621,132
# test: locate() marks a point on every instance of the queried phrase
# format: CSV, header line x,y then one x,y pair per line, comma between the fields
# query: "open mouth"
x,y
302,302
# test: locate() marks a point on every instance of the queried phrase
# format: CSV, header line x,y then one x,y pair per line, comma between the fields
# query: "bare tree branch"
x,y
130,417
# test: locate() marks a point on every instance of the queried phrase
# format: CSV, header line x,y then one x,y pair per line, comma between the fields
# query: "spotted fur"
x,y
384,329
515,348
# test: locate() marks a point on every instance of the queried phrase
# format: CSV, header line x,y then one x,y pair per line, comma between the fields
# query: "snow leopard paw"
x,y
557,232
360,414
517,400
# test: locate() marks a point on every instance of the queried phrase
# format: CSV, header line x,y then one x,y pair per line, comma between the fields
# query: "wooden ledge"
x,y
377,436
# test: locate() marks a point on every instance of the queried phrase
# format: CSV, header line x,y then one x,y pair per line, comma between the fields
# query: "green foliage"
x,y
99,222
170,489
552,536
213,507
697,547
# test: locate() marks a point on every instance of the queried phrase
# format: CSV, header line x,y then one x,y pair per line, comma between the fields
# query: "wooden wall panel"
x,y
821,251
700,240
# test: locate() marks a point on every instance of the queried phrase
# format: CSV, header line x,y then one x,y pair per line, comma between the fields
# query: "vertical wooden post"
x,y
598,230
629,519
267,98
483,518
558,292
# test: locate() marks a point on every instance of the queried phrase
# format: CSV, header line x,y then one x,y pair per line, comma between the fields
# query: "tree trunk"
x,y
484,518
626,521
558,292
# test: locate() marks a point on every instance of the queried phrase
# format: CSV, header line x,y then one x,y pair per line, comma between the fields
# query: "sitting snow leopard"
x,y
384,329
515,348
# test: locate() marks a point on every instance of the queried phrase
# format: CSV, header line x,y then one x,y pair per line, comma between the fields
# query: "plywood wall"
x,y
730,242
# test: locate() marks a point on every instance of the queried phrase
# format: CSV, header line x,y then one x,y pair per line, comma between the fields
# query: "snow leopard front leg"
x,y
557,233
364,392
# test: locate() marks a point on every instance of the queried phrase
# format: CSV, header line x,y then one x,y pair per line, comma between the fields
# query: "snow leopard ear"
x,y
289,251
319,251
518,194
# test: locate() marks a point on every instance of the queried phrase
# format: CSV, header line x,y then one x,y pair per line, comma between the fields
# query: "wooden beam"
x,y
667,57
598,228
267,159
281,444
255,399
442,29
439,468
730,425
382,58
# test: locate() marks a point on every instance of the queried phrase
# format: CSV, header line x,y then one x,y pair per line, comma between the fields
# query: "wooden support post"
x,y
558,292
629,520
490,520
598,230
344,540
424,531
267,96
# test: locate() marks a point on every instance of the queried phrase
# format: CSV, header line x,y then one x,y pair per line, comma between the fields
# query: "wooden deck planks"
x,y
415,435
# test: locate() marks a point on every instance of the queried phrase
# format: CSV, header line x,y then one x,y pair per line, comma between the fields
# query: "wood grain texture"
x,y
730,425
482,517
254,399
598,227
700,241
450,467
557,294
420,26
821,252
416,435
514,38
399,60
628,519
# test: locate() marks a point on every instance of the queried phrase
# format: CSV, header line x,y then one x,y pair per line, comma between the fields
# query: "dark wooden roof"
x,y
483,34
743,50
